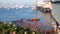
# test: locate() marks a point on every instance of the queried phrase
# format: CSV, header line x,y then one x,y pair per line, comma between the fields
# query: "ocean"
x,y
7,15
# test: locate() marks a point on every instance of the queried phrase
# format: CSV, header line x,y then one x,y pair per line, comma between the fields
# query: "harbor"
x,y
37,17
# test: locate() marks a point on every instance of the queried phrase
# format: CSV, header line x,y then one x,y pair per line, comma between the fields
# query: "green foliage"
x,y
7,28
38,32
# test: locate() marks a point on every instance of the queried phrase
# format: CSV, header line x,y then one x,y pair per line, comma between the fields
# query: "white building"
x,y
56,13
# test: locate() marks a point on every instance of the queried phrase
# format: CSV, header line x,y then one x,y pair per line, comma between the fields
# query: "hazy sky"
x,y
19,2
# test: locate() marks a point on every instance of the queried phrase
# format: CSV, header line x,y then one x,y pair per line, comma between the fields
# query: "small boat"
x,y
26,6
21,6
37,19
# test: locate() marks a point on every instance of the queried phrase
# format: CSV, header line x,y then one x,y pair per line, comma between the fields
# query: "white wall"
x,y
56,12
55,0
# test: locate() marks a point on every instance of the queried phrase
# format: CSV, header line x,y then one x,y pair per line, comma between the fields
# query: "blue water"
x,y
18,14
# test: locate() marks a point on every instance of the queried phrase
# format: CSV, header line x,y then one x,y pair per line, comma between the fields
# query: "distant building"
x,y
44,6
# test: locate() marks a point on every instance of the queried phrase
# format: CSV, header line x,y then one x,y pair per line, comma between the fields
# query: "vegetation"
x,y
6,28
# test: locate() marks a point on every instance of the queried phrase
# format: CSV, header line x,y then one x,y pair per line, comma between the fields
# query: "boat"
x,y
37,19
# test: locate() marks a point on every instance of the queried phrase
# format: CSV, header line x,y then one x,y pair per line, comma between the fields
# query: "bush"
x,y
7,28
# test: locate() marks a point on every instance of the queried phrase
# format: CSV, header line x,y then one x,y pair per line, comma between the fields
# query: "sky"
x,y
19,2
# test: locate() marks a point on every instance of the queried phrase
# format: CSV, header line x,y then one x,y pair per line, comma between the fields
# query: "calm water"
x,y
27,13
